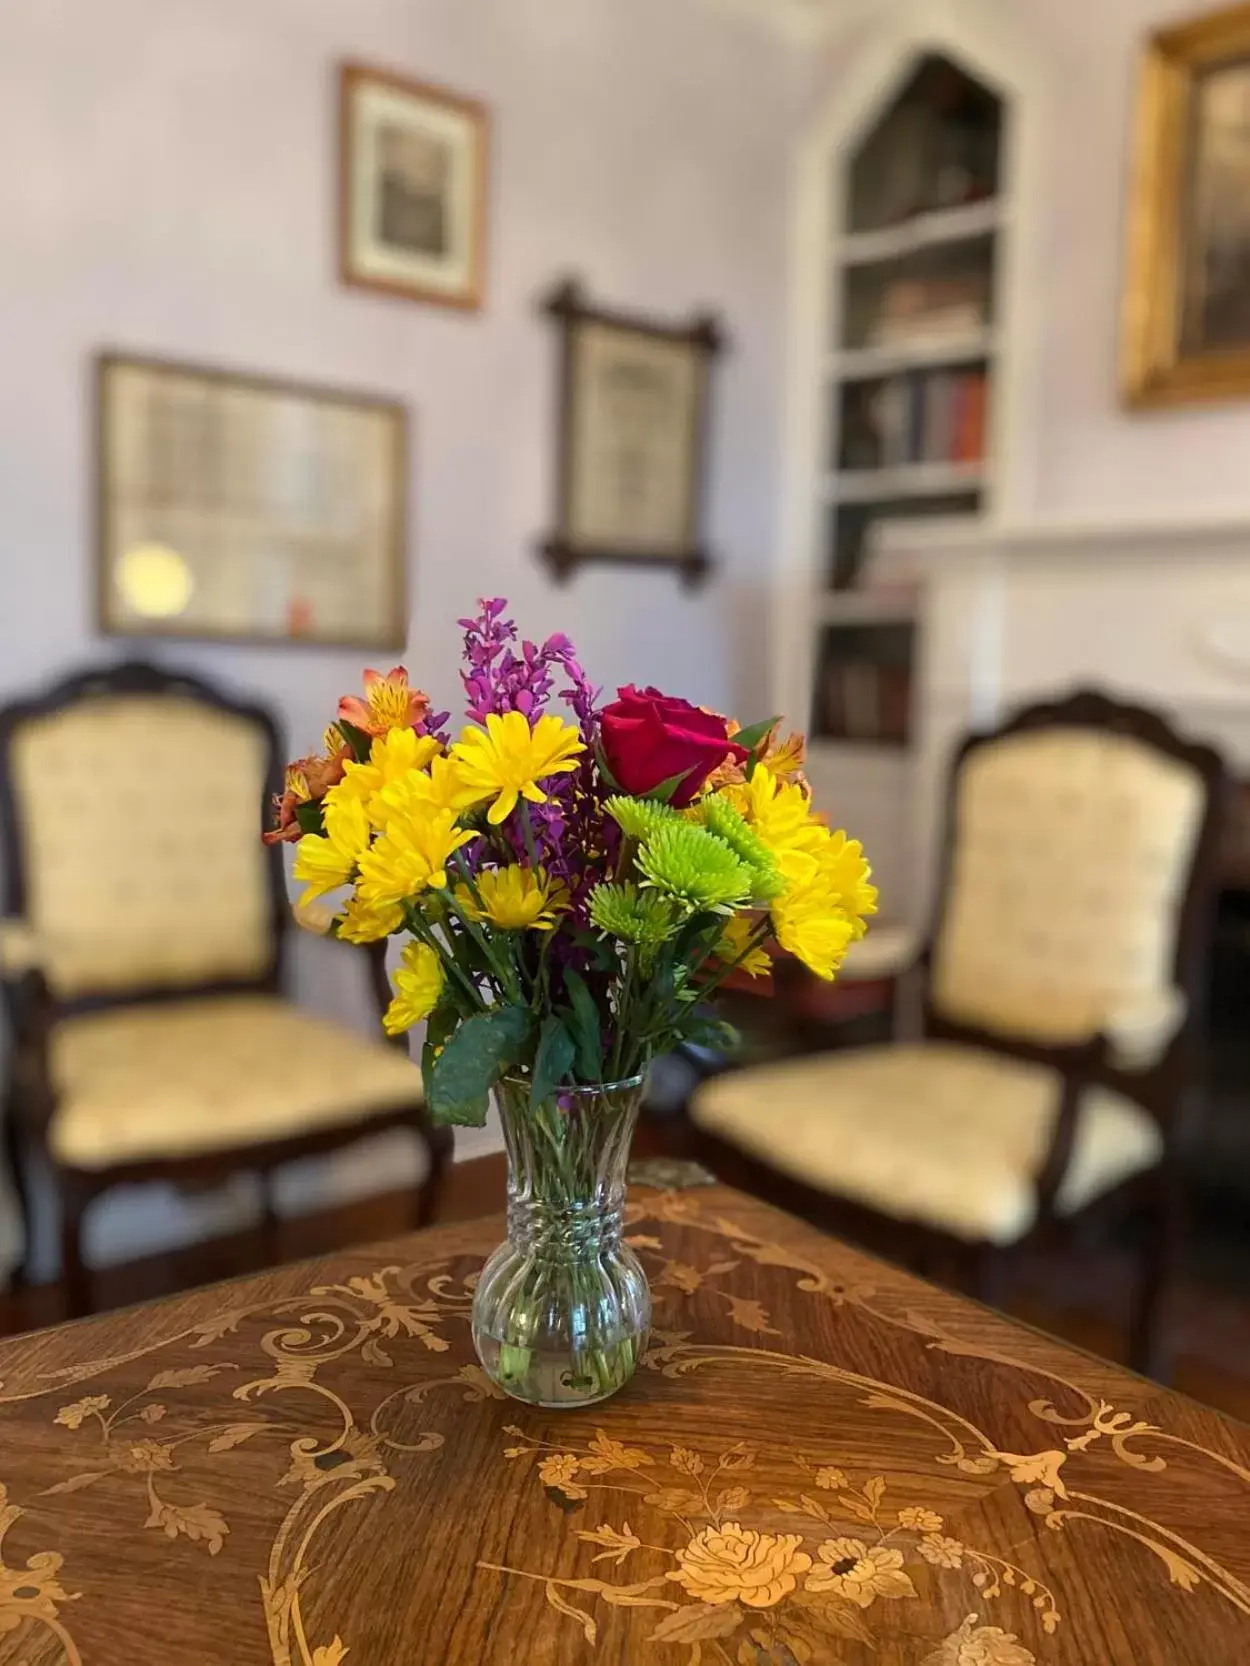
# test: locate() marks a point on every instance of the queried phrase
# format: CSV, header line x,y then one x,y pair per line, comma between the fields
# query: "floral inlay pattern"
x,y
773,1551
759,1590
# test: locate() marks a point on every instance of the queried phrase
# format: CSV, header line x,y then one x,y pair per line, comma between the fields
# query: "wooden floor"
x,y
1079,1297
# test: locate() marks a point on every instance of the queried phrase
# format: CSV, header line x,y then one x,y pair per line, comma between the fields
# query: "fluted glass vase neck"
x,y
562,1308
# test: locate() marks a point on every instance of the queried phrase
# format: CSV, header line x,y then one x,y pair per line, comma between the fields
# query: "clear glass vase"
x,y
562,1308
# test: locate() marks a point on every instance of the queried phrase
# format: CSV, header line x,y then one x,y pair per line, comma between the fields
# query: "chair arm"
x,y
886,952
1139,1032
20,949
315,917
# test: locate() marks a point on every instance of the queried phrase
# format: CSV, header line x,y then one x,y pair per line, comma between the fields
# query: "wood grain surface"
x,y
820,1460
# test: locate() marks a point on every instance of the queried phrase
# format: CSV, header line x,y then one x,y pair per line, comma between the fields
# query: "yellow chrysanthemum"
x,y
440,787
843,869
780,815
812,928
366,922
411,856
324,862
419,982
733,941
394,755
506,760
515,898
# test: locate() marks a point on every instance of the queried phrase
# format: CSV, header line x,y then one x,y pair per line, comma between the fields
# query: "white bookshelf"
x,y
921,231
959,347
845,351
905,480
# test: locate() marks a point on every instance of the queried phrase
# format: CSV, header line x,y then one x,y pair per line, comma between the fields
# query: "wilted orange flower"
x,y
389,703
307,781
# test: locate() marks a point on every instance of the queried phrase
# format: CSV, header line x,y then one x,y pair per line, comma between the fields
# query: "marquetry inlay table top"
x,y
820,1461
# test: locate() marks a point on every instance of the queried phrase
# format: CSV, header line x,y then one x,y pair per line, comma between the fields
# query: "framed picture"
x,y
1187,299
242,508
632,441
413,162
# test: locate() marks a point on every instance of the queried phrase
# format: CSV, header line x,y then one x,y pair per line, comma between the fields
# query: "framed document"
x,y
632,438
412,188
247,509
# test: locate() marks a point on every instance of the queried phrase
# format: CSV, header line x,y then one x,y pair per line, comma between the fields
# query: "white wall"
x,y
166,185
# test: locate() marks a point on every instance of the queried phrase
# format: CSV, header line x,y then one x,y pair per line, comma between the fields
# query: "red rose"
x,y
649,737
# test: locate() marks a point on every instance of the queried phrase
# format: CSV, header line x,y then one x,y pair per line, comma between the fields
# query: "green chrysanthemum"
x,y
640,818
695,868
642,917
721,818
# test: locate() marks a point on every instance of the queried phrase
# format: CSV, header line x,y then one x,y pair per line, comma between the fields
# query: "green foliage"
x,y
360,743
751,736
695,868
552,1061
663,792
310,817
641,818
642,917
477,1054
585,1028
720,817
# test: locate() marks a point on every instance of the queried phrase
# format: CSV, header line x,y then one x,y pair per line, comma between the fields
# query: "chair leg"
x,y
74,1273
439,1143
991,1275
15,1158
270,1220
1148,1352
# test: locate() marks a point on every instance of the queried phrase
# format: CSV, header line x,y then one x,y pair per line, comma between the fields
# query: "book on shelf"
x,y
919,311
867,701
914,417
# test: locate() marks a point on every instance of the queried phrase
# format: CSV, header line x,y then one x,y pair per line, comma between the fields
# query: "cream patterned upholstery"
x,y
178,1078
139,818
1072,847
950,1137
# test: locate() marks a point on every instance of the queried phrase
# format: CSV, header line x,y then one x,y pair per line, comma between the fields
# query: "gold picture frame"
x,y
414,167
243,508
1186,322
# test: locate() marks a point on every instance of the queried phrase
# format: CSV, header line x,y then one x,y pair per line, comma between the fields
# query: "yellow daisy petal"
x,y
510,757
419,983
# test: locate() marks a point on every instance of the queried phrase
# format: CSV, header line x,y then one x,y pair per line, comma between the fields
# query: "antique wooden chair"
x,y
142,956
1062,983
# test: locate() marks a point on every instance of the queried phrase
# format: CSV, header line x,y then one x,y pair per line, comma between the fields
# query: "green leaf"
x,y
663,793
310,817
360,743
606,773
439,1027
552,1061
755,733
704,1029
477,1054
585,1028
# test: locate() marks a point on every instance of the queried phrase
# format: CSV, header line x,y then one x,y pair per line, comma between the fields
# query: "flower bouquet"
x,y
571,890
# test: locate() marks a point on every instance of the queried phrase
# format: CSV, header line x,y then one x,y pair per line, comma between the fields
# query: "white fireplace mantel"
x,y
1158,612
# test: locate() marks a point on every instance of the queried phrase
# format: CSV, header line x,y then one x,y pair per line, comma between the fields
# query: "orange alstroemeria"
x,y
307,781
389,703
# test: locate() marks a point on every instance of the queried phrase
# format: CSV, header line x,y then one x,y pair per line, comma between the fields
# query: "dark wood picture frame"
x,y
703,337
353,78
393,629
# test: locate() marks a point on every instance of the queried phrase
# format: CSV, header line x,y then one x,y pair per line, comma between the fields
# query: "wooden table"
x,y
820,1461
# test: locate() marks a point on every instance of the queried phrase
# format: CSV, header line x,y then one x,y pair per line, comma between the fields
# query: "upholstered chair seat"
x,y
950,1137
181,1078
